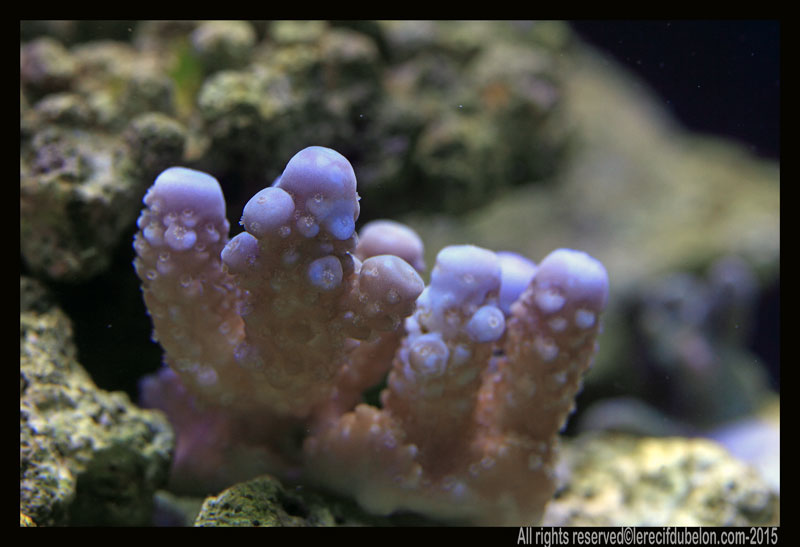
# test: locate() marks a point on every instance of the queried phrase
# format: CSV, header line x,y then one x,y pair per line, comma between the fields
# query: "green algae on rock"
x,y
265,501
87,456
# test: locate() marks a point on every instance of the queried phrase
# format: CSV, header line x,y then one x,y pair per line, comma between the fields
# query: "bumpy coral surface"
x,y
272,337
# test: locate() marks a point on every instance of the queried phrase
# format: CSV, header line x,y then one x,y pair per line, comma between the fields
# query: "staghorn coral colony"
x,y
271,338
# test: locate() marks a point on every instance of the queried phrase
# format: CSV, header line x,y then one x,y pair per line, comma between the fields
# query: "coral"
x,y
290,321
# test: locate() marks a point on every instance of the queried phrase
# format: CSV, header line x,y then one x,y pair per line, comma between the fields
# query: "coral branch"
x,y
191,299
476,397
270,329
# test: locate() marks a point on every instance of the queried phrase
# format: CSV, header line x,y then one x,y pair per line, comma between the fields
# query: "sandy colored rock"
x,y
617,480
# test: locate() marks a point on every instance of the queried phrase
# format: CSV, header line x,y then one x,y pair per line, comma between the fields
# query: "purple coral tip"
x,y
180,188
323,185
575,276
267,211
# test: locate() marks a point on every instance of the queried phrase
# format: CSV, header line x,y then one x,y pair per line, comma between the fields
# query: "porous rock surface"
x,y
87,456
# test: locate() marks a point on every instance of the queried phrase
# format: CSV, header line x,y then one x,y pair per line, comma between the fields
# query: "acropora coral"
x,y
272,338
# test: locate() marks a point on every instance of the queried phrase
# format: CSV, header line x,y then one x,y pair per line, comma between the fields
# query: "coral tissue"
x,y
272,337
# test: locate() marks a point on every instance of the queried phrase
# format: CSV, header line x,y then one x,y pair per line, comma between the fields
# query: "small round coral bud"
x,y
325,273
428,355
180,238
267,211
391,279
487,324
240,252
381,237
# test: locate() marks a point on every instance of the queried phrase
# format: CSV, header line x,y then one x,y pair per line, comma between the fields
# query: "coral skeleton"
x,y
272,337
